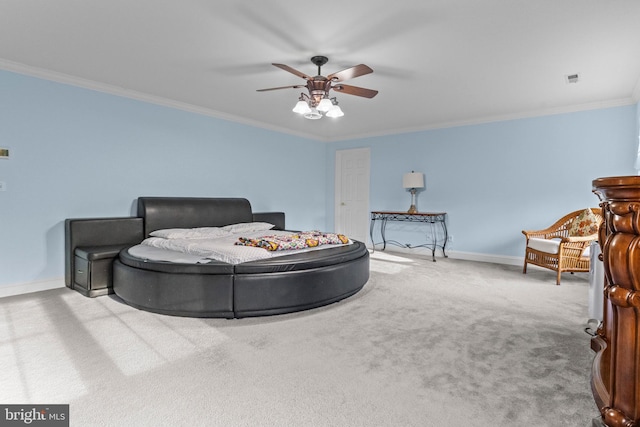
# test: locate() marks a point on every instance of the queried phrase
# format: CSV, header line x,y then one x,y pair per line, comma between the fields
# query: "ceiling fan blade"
x,y
354,90
281,87
293,71
350,73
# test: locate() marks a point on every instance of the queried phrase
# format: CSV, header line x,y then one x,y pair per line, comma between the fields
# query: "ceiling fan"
x,y
318,101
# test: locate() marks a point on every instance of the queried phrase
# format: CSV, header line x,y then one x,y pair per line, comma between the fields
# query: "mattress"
x,y
223,248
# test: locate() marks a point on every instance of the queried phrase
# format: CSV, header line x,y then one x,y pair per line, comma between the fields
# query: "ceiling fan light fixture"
x,y
335,112
301,107
313,114
325,105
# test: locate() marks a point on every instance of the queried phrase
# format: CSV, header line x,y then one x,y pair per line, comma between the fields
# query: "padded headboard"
x,y
191,212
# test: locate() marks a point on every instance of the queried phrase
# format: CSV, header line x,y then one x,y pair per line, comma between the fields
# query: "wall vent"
x,y
572,78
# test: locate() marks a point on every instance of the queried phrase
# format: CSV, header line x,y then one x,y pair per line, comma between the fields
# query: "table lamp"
x,y
413,181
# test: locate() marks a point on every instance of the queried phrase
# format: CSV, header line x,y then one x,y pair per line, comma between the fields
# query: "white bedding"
x,y
220,248
157,254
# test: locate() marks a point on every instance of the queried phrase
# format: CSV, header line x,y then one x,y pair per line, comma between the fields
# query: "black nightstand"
x,y
93,269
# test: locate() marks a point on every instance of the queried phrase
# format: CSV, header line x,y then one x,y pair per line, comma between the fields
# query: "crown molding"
x,y
152,99
635,95
499,118
140,96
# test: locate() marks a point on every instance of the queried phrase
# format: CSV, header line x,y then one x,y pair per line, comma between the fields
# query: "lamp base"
x,y
413,209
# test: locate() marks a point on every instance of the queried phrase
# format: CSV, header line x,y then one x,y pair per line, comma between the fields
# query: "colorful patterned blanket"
x,y
307,239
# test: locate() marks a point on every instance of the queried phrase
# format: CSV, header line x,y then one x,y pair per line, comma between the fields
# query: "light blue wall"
x,y
496,179
637,164
80,153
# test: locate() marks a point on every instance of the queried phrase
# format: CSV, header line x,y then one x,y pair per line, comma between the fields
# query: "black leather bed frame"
x,y
97,263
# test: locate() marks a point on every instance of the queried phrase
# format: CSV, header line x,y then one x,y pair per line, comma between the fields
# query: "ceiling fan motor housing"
x,y
318,88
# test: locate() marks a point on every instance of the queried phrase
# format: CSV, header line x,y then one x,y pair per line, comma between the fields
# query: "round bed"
x,y
282,284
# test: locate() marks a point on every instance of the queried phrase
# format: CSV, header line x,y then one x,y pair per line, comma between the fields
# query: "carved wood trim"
x,y
615,378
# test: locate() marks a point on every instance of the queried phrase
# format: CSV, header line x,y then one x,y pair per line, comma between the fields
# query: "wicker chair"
x,y
555,249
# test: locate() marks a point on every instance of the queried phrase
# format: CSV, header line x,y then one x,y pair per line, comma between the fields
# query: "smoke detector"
x,y
572,78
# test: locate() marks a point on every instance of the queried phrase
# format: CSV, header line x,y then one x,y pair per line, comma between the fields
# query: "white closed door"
x,y
352,193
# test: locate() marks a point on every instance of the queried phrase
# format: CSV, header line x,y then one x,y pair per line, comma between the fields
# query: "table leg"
x,y
446,237
383,226
371,227
434,236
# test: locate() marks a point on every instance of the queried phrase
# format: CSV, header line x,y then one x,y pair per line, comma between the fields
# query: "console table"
x,y
434,219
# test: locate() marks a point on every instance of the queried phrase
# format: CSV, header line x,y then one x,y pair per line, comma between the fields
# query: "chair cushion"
x,y
550,246
585,224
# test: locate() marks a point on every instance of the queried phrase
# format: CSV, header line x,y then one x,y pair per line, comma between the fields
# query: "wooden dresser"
x,y
615,379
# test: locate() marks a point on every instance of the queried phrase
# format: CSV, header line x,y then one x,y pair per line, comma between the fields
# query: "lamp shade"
x,y
335,111
413,180
301,107
325,105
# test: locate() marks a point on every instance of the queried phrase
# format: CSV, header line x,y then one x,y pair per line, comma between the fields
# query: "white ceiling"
x,y
436,63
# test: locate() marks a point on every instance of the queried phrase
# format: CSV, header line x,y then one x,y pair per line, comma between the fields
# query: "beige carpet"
x,y
451,343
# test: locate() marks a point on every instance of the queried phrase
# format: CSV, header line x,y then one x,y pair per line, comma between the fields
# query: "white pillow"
x,y
190,233
248,227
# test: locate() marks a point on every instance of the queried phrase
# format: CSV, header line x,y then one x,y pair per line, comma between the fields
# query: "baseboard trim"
x,y
27,288
495,259
468,256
